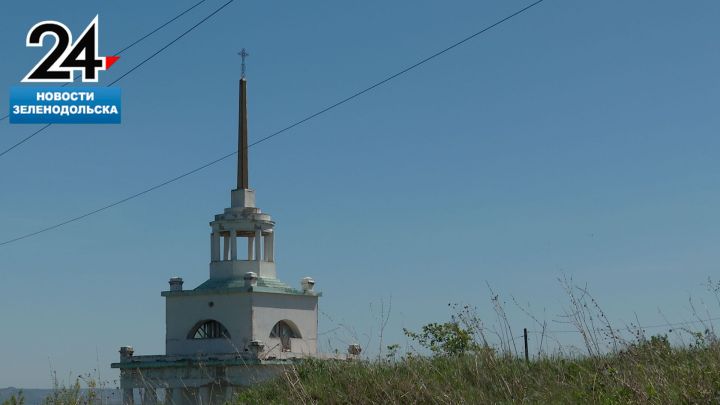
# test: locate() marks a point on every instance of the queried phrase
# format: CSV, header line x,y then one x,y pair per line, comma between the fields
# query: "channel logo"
x,y
64,62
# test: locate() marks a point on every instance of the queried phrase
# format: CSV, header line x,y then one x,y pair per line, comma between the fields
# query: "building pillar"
x,y
127,396
204,395
226,246
258,247
266,241
229,393
177,397
215,246
233,245
270,247
165,395
149,396
251,239
190,395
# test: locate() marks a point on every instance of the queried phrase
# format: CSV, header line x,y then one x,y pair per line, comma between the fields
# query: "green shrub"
x,y
447,338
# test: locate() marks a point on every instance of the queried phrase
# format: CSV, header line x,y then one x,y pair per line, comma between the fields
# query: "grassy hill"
x,y
464,368
652,372
649,372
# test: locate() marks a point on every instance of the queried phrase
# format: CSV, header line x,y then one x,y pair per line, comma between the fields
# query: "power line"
x,y
171,42
402,72
22,141
136,195
261,140
160,27
27,138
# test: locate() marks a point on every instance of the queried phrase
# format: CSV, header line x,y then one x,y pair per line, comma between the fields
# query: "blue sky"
x,y
579,138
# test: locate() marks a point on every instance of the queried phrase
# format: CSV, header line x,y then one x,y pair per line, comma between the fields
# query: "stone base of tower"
x,y
181,380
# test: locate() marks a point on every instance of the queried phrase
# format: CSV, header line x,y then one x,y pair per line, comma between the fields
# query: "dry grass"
x,y
652,372
615,367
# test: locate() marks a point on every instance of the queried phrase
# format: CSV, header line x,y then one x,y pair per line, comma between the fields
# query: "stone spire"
x,y
242,168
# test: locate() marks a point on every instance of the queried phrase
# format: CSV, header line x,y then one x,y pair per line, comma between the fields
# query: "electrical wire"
x,y
218,160
101,209
160,27
171,42
400,73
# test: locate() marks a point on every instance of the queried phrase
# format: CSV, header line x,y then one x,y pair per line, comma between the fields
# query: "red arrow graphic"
x,y
110,60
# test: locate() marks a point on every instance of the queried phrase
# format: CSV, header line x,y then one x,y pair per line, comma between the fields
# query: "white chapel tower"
x,y
243,303
242,325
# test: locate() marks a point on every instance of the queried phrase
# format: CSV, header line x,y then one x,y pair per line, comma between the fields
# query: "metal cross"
x,y
243,54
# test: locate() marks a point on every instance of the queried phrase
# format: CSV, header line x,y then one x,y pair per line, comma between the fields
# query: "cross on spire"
x,y
243,54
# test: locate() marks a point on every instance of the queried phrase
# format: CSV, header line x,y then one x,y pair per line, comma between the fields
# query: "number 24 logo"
x,y
59,64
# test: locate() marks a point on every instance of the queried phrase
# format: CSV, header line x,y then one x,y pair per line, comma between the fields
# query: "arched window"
x,y
209,329
285,330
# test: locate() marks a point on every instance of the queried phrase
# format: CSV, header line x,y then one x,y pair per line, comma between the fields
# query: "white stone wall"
x,y
301,310
185,311
247,317
238,268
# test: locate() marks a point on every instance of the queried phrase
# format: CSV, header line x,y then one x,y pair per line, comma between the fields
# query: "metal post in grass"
x,y
527,355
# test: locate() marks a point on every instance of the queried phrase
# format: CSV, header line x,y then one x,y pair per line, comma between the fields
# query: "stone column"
x,y
215,246
270,247
233,245
229,393
149,396
226,245
266,241
250,247
177,397
204,395
128,398
126,354
165,395
191,395
258,240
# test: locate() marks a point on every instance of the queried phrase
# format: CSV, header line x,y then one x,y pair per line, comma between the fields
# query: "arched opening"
x,y
285,330
208,329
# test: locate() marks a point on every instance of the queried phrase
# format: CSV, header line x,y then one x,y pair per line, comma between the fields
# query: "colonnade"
x,y
259,247
205,395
